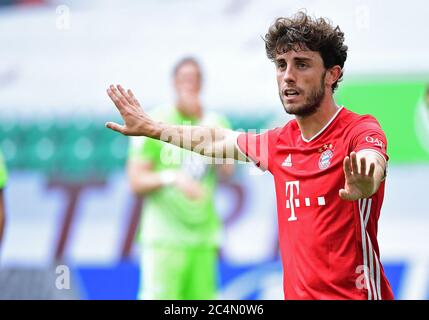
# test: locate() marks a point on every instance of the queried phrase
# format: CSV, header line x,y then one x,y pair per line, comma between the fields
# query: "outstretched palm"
x,y
358,184
136,121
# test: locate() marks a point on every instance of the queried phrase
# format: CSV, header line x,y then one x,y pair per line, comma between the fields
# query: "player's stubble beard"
x,y
311,103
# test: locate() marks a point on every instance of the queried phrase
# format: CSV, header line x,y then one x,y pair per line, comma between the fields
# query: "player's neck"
x,y
197,115
312,124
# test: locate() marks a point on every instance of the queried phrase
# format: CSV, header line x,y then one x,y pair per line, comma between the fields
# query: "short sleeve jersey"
x,y
328,246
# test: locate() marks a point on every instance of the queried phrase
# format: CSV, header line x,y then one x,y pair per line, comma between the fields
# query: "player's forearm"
x,y
207,141
379,174
380,166
148,182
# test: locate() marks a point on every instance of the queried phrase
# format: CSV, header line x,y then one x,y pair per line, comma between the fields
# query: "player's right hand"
x,y
359,184
136,121
190,187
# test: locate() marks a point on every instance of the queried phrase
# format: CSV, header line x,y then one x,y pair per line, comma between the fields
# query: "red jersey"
x,y
328,245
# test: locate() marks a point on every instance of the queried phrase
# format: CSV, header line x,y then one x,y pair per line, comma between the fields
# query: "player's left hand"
x,y
359,183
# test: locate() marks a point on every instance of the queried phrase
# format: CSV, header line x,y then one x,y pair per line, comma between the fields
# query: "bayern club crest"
x,y
325,159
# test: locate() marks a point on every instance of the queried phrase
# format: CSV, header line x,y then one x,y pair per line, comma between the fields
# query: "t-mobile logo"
x,y
292,190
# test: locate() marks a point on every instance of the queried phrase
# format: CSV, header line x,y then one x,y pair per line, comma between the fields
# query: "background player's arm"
x,y
144,180
364,173
211,142
141,177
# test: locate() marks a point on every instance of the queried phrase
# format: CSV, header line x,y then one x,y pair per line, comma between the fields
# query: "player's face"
x,y
301,81
188,79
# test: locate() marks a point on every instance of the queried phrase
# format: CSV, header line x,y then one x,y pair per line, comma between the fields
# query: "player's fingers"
x,y
371,169
122,91
131,94
363,166
346,167
115,100
118,95
125,94
114,92
112,95
115,127
353,158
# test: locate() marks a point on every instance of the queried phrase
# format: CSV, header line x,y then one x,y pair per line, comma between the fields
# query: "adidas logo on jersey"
x,y
288,161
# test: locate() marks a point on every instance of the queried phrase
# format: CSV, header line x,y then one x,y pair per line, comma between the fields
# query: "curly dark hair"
x,y
301,32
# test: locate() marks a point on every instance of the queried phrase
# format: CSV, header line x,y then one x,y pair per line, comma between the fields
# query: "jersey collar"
x,y
324,128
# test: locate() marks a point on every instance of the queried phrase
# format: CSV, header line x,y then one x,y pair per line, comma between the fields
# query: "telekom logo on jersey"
x,y
293,201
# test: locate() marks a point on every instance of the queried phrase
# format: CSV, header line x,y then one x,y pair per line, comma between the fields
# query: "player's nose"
x,y
289,75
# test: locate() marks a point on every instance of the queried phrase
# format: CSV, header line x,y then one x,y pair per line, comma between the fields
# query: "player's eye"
x,y
281,65
301,65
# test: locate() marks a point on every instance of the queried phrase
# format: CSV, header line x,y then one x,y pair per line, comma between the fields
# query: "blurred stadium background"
x,y
68,201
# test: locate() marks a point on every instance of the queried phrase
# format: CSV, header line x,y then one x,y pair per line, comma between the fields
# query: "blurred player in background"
x,y
329,164
180,230
3,178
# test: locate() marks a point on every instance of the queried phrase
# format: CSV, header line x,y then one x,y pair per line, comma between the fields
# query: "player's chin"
x,y
292,108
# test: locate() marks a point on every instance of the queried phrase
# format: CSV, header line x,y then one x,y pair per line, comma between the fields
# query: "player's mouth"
x,y
290,94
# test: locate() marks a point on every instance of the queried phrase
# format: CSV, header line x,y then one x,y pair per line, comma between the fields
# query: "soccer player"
x,y
180,230
3,178
329,164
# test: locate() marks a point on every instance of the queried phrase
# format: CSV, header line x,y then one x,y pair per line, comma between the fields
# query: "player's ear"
x,y
332,75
